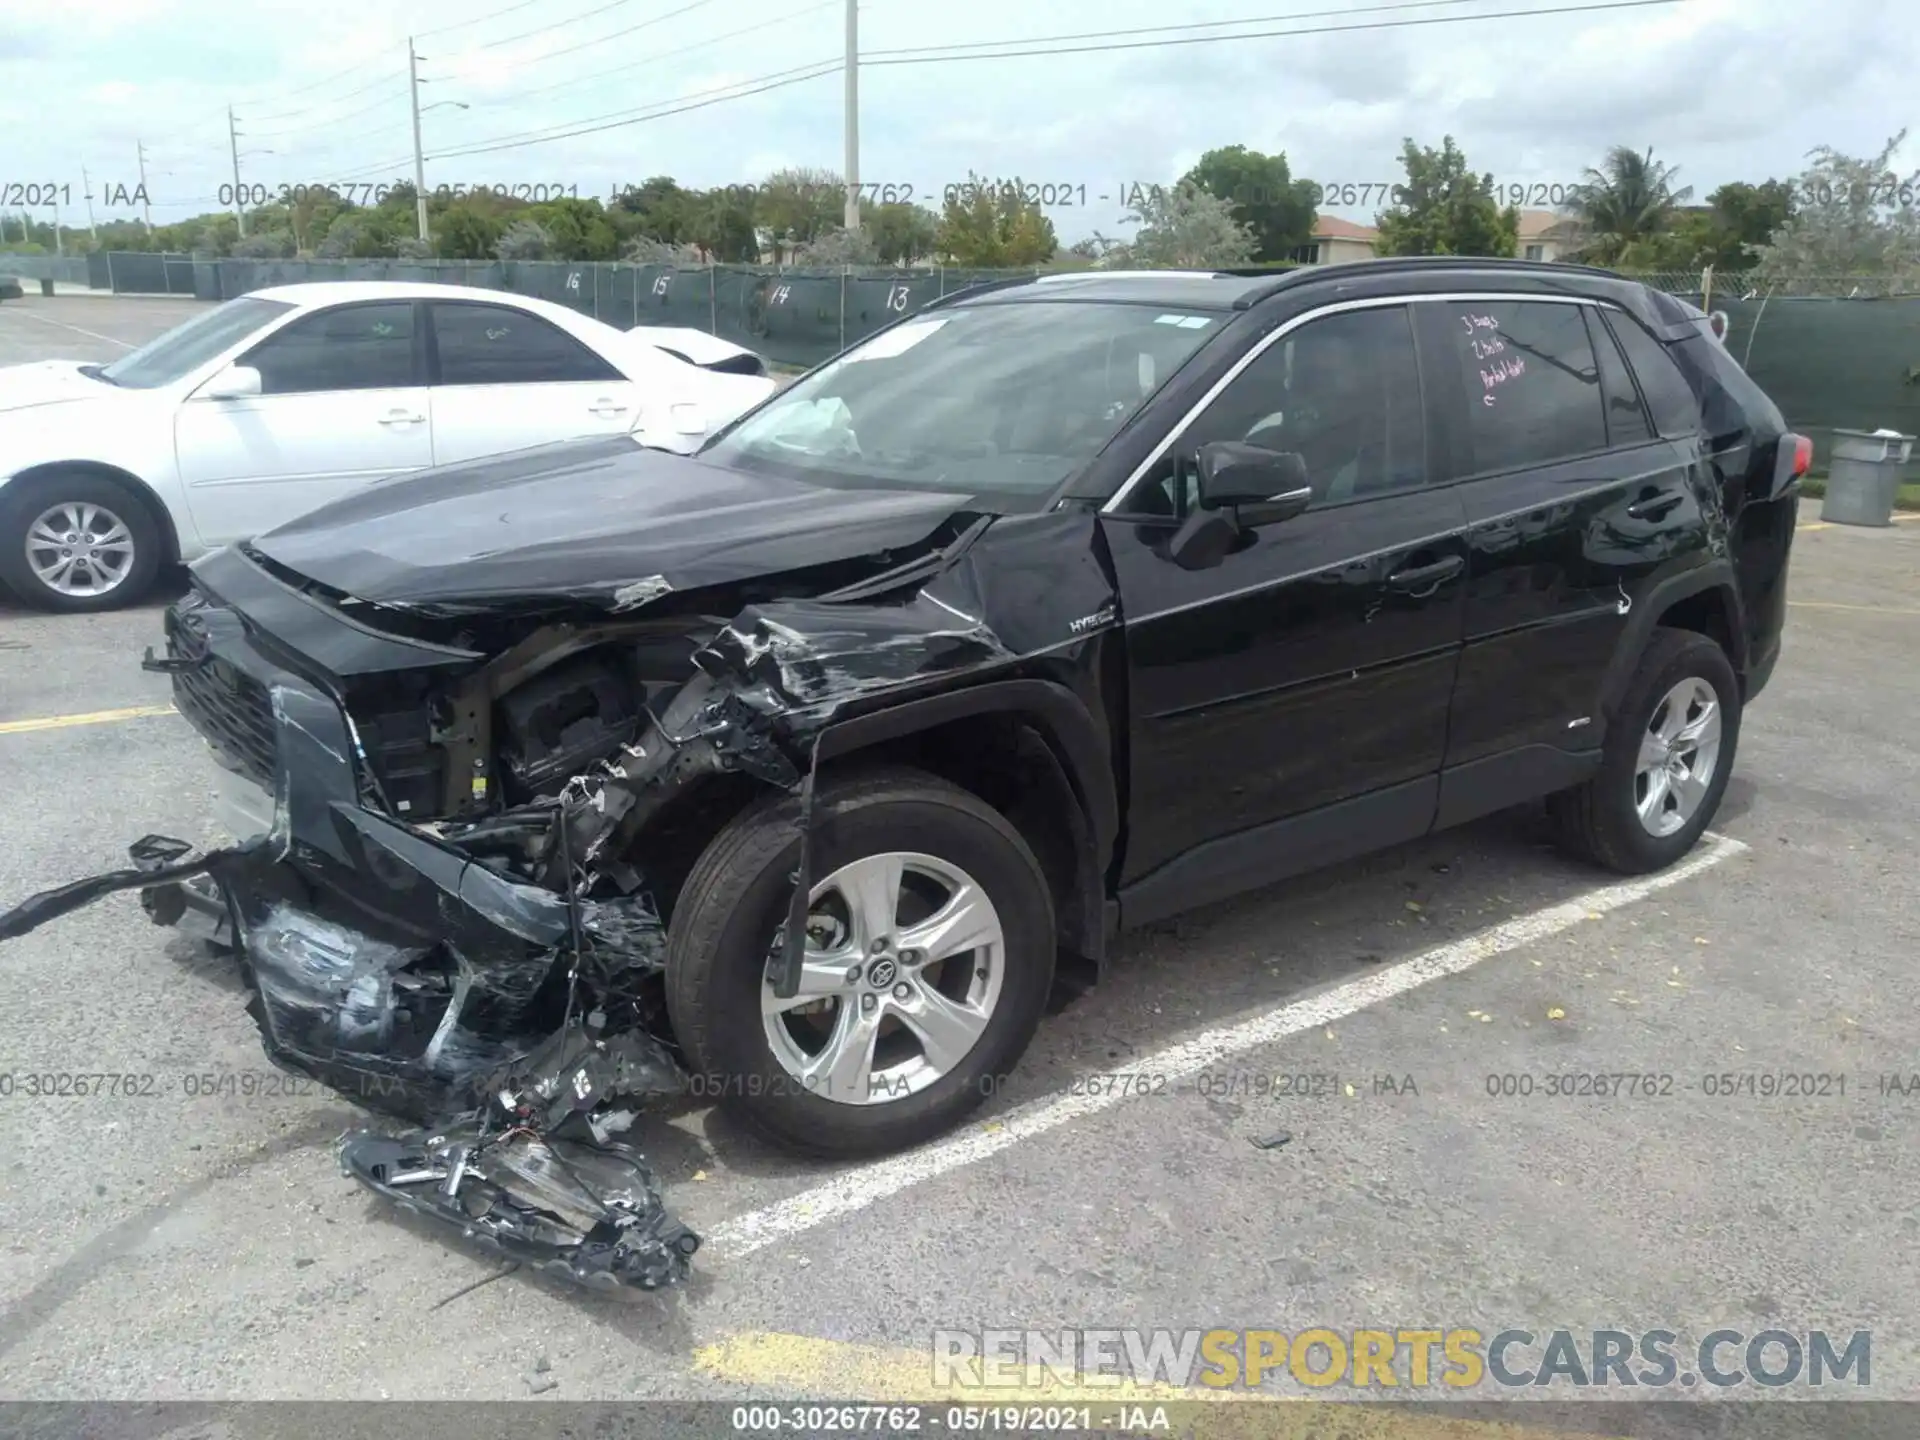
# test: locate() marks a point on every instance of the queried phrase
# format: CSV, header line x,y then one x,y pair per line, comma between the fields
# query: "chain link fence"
x,y
1833,351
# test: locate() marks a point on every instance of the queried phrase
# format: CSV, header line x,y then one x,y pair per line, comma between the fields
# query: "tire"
x,y
735,901
116,514
1600,820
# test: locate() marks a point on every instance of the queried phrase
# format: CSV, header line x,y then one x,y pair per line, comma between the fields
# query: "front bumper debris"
x,y
497,1017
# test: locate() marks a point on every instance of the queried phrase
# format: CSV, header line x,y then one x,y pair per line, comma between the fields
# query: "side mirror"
x,y
1237,475
1241,487
236,382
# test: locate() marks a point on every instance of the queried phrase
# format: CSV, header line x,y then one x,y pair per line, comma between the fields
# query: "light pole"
x,y
852,217
419,160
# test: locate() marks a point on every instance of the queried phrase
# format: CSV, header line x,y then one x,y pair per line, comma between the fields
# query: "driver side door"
x,y
1289,703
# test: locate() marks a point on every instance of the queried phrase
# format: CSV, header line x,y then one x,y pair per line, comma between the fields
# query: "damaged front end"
x,y
436,902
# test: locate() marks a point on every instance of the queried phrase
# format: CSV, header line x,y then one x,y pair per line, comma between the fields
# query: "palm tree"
x,y
1628,201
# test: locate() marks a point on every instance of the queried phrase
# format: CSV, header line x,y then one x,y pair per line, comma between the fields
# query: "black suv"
x,y
800,771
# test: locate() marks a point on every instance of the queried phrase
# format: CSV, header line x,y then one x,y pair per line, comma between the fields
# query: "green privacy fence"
x,y
1834,351
793,317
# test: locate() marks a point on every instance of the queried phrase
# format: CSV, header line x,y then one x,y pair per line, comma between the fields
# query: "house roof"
x,y
1536,223
1332,227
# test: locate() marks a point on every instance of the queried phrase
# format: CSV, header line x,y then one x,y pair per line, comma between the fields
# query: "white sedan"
x,y
264,407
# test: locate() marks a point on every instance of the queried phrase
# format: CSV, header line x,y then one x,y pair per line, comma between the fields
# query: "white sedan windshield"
x,y
185,348
1010,396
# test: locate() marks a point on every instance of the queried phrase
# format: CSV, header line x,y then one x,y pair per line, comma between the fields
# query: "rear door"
x,y
1290,703
506,379
343,401
1574,504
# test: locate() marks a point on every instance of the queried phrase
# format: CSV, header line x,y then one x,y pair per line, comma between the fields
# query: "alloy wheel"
x,y
80,549
902,968
1678,756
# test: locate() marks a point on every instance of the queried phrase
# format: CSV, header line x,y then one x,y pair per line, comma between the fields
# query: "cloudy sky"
x,y
1727,89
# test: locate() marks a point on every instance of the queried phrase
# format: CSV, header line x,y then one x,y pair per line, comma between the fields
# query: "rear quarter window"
x,y
1729,401
1675,404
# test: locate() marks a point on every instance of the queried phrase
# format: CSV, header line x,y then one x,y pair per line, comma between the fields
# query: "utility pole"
x,y
146,205
239,203
853,115
419,160
86,184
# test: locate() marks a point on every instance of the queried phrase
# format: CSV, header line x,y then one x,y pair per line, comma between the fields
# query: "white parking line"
x,y
859,1188
61,324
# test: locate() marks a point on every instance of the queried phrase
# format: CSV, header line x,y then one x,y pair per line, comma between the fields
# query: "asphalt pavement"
x,y
180,1244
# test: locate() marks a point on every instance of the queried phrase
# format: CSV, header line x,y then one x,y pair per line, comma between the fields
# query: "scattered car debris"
x,y
1273,1141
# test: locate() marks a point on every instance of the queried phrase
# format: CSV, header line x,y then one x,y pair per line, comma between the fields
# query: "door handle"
x,y
606,407
1427,577
401,417
1652,507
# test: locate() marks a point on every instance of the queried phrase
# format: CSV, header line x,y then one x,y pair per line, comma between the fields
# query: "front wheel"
x,y
76,542
927,963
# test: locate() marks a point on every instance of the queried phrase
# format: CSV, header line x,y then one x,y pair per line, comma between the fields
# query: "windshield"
x,y
185,348
1009,397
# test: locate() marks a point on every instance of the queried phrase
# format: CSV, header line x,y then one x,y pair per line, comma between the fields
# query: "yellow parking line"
x,y
92,717
1816,525
1862,609
874,1374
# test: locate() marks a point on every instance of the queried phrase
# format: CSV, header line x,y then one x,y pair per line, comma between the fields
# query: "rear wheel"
x,y
77,542
928,959
1668,754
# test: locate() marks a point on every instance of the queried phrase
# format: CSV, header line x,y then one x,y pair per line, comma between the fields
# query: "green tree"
x,y
902,233
577,229
525,240
995,227
1628,202
799,203
1740,219
1444,209
658,209
1853,217
461,232
720,223
1278,210
1183,227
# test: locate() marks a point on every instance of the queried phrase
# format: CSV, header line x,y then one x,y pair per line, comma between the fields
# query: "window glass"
x,y
1342,392
1626,417
350,347
496,345
1675,411
187,347
1533,388
1003,396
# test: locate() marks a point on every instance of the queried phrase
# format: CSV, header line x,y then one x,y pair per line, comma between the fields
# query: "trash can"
x,y
46,287
1864,477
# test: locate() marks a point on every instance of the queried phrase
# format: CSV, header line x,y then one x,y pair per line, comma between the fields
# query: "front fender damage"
x,y
510,1010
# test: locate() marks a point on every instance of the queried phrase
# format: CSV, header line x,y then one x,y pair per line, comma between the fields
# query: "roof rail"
x,y
1389,264
966,292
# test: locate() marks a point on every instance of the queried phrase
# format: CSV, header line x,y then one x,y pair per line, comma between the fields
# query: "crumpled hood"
x,y
47,382
599,520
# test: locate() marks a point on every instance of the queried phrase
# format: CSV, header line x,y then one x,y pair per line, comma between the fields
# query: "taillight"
x,y
1802,455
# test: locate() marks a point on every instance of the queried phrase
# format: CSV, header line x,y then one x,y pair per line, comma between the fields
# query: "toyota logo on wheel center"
x,y
881,972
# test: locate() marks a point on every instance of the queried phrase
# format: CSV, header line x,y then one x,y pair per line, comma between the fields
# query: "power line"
x,y
777,81
463,24
1402,24
602,39
557,24
329,120
1163,29
661,55
334,100
617,119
